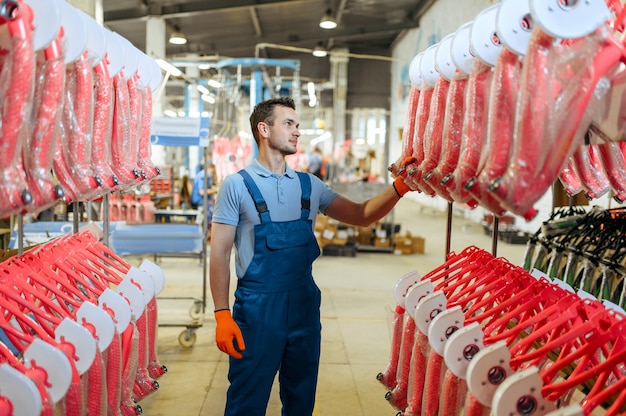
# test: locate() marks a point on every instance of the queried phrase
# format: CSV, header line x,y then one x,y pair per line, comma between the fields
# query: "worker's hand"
x,y
407,164
227,332
400,186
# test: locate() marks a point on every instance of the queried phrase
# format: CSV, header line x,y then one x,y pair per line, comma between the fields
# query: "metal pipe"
x,y
205,227
105,219
75,216
449,230
494,238
20,235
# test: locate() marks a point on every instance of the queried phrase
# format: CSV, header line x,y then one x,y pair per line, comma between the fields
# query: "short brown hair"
x,y
264,112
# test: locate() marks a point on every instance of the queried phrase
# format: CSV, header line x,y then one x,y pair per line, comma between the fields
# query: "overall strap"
x,y
305,184
255,193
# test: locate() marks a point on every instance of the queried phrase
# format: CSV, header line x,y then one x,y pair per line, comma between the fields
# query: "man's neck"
x,y
275,165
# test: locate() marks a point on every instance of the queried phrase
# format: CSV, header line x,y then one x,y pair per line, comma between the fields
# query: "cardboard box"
x,y
408,244
340,238
402,245
321,221
382,242
418,245
352,235
329,233
365,235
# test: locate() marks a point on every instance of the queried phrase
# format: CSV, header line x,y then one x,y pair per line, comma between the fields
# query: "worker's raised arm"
x,y
366,213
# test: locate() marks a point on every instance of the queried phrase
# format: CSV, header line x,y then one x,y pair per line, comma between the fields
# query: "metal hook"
x,y
9,9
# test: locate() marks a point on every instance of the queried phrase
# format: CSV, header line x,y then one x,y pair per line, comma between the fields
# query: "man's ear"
x,y
263,129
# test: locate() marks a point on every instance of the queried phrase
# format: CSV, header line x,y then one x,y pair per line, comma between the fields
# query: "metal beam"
x,y
186,9
421,9
314,37
258,31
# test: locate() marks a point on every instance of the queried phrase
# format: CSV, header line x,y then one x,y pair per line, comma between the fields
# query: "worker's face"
x,y
283,134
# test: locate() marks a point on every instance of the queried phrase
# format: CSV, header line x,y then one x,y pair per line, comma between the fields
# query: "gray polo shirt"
x,y
234,205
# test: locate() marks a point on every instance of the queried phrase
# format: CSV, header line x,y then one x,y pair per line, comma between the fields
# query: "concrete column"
x,y
155,48
339,78
193,98
194,109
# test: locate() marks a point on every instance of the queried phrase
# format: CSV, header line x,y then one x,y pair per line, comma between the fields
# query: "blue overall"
x,y
277,307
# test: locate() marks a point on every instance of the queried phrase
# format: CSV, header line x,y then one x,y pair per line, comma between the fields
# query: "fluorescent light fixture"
x,y
311,132
178,38
312,97
181,113
244,134
215,84
205,114
203,89
167,67
204,66
319,51
328,21
208,98
325,136
170,113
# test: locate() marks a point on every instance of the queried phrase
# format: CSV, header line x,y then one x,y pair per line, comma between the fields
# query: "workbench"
x,y
187,216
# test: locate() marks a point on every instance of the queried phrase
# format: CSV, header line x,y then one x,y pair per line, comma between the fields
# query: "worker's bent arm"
x,y
222,238
365,213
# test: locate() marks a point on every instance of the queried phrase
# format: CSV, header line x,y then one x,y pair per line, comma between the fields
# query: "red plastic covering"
x,y
556,84
474,132
452,135
433,137
613,158
397,167
423,108
45,118
17,73
500,123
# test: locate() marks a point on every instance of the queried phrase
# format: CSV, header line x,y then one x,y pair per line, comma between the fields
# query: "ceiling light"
x,y
215,84
202,89
208,98
167,67
328,21
319,51
178,38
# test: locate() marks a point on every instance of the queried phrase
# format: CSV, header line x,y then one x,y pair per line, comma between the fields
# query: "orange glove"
x,y
408,161
400,186
227,332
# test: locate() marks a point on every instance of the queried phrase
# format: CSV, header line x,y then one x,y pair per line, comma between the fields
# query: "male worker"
x,y
316,163
268,211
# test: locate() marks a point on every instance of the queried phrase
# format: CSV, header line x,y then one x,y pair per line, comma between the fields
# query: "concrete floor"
x,y
357,297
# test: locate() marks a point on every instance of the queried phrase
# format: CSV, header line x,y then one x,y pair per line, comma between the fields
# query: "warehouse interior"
x,y
495,286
